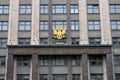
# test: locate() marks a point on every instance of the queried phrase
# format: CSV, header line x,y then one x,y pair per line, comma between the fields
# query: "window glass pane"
x,y
3,43
25,9
59,9
2,61
27,27
93,8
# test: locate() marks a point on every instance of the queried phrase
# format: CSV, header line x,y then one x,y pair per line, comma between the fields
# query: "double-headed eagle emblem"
x,y
59,32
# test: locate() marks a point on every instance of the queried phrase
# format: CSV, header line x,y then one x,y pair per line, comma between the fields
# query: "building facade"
x,y
59,39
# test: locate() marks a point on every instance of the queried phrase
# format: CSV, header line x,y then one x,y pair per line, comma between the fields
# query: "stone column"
x,y
83,22
35,22
84,66
10,67
13,22
50,68
109,66
105,22
15,69
69,67
34,67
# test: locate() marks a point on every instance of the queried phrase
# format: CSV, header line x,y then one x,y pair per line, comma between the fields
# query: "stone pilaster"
x,y
35,22
109,66
84,66
13,22
10,67
34,67
83,22
105,22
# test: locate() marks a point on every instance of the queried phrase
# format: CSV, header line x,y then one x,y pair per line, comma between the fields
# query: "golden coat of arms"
x,y
59,33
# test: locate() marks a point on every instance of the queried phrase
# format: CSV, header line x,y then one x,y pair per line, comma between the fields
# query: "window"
x,y
76,77
23,77
3,43
43,61
3,25
75,61
4,9
44,25
59,42
96,77
73,9
93,8
95,60
117,60
23,61
2,61
117,76
115,8
59,9
59,60
75,41
116,41
2,76
24,26
25,9
93,25
43,77
59,77
94,41
62,24
44,9
115,25
74,25
24,41
43,41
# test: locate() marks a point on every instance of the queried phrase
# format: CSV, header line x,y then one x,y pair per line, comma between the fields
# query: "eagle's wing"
x,y
55,31
64,31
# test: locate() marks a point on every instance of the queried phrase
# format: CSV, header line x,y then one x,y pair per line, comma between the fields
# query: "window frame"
x,y
74,25
27,9
74,9
75,41
96,60
59,75
117,76
114,8
43,76
44,25
23,62
94,40
59,42
59,61
58,24
96,76
26,26
3,42
76,77
44,41
2,61
61,7
43,61
116,41
115,24
94,25
75,60
23,76
25,41
116,60
2,9
3,24
93,8
2,76
44,9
